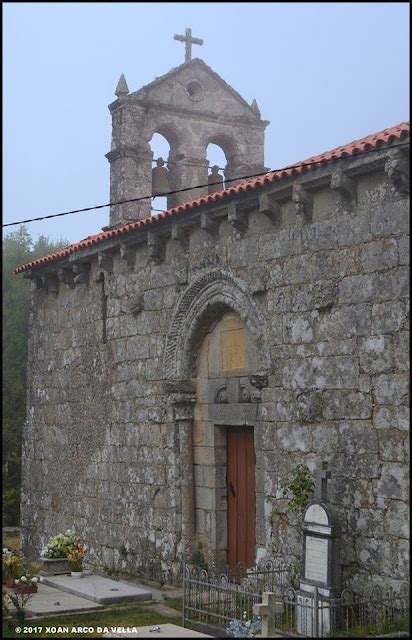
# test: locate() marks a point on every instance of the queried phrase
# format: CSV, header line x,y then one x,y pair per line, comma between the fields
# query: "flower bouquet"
x,y
26,584
244,628
75,556
58,545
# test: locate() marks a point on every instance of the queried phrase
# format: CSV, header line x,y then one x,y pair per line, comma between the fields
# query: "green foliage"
x,y
386,627
301,486
296,572
198,560
18,248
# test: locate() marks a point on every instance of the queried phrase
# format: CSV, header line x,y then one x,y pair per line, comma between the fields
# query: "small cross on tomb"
x,y
325,475
267,610
188,40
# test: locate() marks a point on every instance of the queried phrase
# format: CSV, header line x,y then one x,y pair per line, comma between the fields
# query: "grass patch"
x,y
174,603
114,616
402,624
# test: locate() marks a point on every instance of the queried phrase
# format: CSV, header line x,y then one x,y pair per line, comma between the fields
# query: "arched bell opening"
x,y
217,162
161,183
229,163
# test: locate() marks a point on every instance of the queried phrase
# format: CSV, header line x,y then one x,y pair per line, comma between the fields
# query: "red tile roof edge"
x,y
372,141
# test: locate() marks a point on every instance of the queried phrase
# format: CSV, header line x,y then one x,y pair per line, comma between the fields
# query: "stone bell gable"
x,y
191,106
271,316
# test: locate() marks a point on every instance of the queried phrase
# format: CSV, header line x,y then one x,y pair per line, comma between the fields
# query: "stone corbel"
x,y
82,272
344,185
155,246
51,282
105,261
270,208
37,282
303,202
178,232
100,276
207,224
238,219
397,169
66,276
127,254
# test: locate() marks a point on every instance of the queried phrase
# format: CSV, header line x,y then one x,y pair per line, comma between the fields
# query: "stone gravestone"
x,y
267,611
320,581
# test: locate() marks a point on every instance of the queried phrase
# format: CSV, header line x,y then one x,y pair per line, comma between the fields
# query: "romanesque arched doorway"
x,y
215,344
224,443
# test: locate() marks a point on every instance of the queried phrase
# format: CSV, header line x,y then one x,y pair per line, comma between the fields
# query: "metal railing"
x,y
312,615
211,599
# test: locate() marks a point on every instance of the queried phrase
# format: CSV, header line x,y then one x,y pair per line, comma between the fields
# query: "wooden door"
x,y
241,503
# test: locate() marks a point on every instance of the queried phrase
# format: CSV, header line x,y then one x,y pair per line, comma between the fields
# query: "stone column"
x,y
183,406
130,160
187,172
130,177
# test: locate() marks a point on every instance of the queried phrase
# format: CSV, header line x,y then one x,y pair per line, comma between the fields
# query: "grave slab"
x,y
52,601
98,589
157,631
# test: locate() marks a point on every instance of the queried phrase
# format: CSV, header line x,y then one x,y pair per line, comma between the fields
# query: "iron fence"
x,y
211,599
313,615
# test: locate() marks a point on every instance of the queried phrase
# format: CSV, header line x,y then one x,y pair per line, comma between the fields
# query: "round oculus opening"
x,y
194,90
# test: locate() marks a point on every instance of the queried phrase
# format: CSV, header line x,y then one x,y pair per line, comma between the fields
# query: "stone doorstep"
x,y
98,589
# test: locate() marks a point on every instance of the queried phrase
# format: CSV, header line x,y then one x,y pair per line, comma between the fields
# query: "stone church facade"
x,y
181,365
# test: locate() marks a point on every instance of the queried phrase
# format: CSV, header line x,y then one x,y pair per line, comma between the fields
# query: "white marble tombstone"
x,y
320,580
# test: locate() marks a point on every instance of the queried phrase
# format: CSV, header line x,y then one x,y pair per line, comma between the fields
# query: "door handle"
x,y
232,489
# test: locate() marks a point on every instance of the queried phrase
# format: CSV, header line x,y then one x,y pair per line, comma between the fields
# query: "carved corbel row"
x,y
105,261
81,273
128,254
270,208
51,282
303,202
66,276
178,232
344,185
155,246
209,225
397,170
237,218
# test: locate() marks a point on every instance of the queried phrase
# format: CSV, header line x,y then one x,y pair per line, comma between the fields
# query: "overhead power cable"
x,y
198,186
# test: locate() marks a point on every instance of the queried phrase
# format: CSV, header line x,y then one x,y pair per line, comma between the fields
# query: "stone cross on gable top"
x,y
325,475
188,40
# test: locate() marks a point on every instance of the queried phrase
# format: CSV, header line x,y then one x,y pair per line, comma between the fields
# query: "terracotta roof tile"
x,y
373,141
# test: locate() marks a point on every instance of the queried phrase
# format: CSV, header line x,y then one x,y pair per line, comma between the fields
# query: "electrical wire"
x,y
198,186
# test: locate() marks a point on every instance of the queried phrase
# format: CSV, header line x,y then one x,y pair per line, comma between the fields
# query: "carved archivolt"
x,y
212,292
